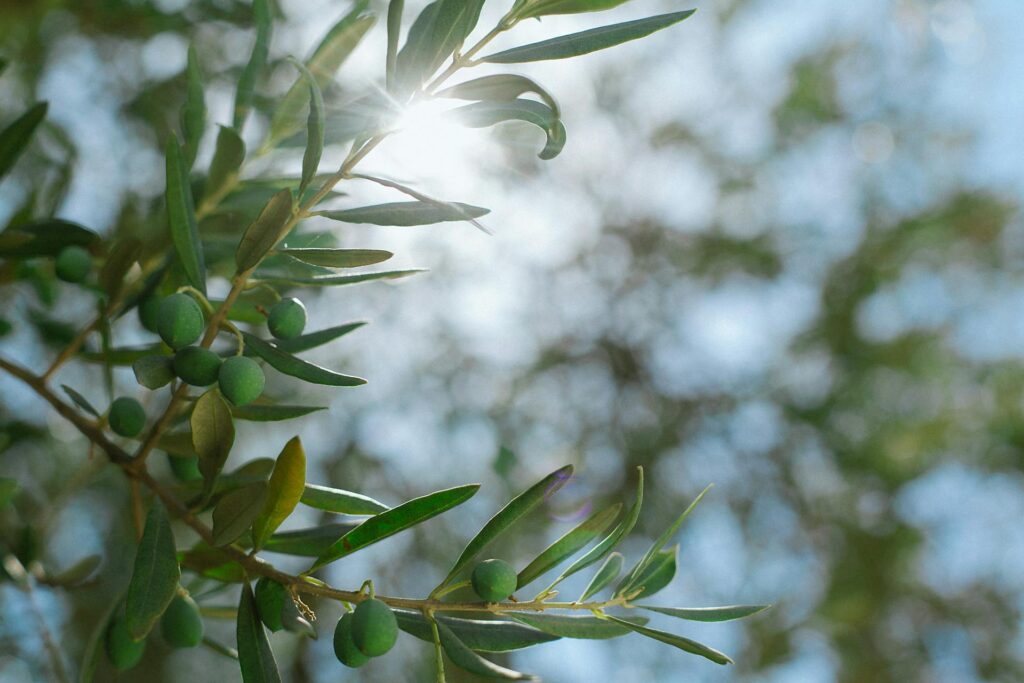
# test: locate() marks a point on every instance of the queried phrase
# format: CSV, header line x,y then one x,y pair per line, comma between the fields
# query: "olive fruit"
x,y
374,627
270,597
184,469
153,372
126,416
123,652
181,625
179,320
494,580
344,647
149,313
73,264
287,319
241,380
197,366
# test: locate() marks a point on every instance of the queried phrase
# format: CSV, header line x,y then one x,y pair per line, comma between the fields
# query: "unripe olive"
x,y
73,264
153,372
181,625
122,651
197,366
374,627
344,647
126,416
179,320
185,469
494,580
149,313
287,319
241,380
270,597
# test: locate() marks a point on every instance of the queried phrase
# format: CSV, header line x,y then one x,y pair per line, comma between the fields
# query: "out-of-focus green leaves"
x,y
45,238
569,626
255,658
338,258
93,653
311,542
122,355
74,575
684,644
182,218
500,87
228,155
272,413
154,576
406,213
256,64
15,137
8,490
193,113
80,401
437,32
505,518
727,613
265,231
333,50
396,519
464,658
658,573
489,113
567,545
288,364
287,482
340,501
235,512
491,635
608,572
576,44
213,434
543,8
395,8
339,280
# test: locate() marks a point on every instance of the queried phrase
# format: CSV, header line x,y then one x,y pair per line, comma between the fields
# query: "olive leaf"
x,y
122,257
338,258
193,113
93,653
503,520
567,626
438,31
311,542
339,280
15,137
283,491
182,218
342,502
684,644
296,367
608,572
255,658
502,87
655,576
396,519
235,512
488,113
567,545
213,434
155,574
395,8
266,230
464,658
406,213
727,613
228,155
79,400
8,490
543,8
491,635
256,64
314,128
272,413
576,44
46,237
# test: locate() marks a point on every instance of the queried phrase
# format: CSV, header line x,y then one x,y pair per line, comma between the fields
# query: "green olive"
x,y
374,627
123,652
241,380
344,647
179,320
181,625
494,580
149,313
184,469
197,366
126,416
287,319
73,264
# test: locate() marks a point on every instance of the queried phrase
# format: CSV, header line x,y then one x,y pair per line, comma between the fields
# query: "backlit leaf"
x,y
489,113
181,217
406,213
193,113
395,8
437,32
255,658
283,491
338,258
340,280
256,64
155,574
314,129
343,502
568,544
296,367
269,227
235,512
503,87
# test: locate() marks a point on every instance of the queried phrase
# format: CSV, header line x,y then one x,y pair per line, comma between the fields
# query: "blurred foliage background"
x,y
782,253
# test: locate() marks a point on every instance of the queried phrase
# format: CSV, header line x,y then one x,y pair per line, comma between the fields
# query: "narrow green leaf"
x,y
396,519
727,613
545,8
94,648
328,57
338,258
79,400
479,635
272,413
296,367
312,542
193,113
122,355
655,576
395,8
46,237
608,572
419,196
609,542
566,626
314,128
269,227
464,658
15,137
437,32
219,648
256,64
515,510
210,563
283,492
406,213
154,576
489,113
339,280
502,87
343,502
567,545
235,512
318,338
181,217
228,155
123,255
213,434
684,644
581,43
255,658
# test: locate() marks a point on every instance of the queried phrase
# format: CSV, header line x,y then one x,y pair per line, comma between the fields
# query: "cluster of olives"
x,y
73,264
181,626
368,631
